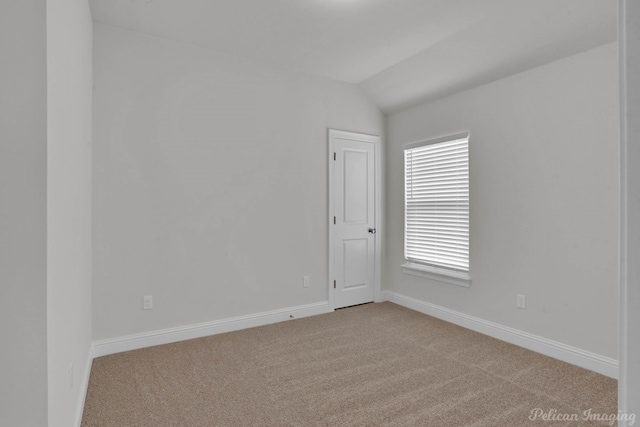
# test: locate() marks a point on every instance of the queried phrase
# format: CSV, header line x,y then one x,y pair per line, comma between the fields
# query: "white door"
x,y
354,218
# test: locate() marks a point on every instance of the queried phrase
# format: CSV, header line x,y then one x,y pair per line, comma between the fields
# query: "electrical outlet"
x,y
521,301
71,377
147,302
306,281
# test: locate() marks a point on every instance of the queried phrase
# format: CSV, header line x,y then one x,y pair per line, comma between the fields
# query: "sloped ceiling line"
x,y
400,52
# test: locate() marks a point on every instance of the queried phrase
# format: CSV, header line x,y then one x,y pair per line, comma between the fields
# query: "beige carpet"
x,y
370,365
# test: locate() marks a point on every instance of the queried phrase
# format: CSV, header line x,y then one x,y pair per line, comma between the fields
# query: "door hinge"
x,y
334,219
334,155
334,284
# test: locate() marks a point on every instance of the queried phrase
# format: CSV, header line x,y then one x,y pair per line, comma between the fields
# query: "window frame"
x,y
434,272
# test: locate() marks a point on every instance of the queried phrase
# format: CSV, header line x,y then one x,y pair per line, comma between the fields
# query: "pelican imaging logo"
x,y
539,414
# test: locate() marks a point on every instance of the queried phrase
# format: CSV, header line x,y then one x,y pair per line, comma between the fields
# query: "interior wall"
x,y
69,105
23,214
544,200
210,182
629,31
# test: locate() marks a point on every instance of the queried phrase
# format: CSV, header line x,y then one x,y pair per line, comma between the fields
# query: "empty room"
x,y
319,212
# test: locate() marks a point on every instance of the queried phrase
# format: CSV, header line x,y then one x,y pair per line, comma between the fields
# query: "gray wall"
x,y
69,102
544,200
629,386
210,182
45,204
23,214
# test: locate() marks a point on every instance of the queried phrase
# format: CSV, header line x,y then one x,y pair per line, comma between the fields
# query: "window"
x,y
436,236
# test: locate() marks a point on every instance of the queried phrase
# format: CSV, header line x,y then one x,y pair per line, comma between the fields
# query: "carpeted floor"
x,y
370,365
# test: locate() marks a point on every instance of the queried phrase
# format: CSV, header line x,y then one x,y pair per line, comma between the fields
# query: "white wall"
x,y
544,200
210,182
629,385
69,105
23,214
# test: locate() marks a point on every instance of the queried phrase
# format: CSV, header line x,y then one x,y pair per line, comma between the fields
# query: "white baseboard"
x,y
84,384
181,333
594,362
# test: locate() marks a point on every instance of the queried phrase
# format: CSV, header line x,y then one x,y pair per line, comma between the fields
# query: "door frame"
x,y
377,143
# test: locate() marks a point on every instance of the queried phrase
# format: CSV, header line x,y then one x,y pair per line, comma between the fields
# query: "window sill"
x,y
441,275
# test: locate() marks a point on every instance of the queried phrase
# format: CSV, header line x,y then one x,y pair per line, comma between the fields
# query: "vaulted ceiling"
x,y
400,52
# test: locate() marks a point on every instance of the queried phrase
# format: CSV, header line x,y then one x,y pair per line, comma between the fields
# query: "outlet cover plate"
x,y
147,302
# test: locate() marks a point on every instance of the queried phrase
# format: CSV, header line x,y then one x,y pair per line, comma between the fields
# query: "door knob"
x,y
372,230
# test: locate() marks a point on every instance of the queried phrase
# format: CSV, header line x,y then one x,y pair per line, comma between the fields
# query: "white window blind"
x,y
437,203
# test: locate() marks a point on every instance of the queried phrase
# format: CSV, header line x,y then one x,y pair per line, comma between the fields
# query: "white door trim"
x,y
375,140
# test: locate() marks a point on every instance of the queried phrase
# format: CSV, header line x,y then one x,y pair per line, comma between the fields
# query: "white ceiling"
x,y
401,52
